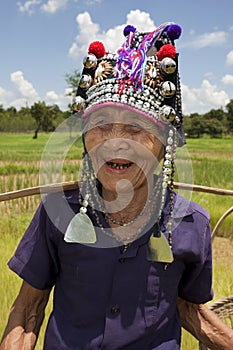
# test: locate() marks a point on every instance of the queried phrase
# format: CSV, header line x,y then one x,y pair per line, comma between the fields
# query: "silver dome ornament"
x,y
85,81
78,104
168,65
90,61
167,89
167,113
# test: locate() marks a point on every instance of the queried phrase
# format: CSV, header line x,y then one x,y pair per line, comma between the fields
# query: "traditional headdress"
x,y
142,76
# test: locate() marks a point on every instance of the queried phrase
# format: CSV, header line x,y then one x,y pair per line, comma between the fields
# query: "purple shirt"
x,y
109,299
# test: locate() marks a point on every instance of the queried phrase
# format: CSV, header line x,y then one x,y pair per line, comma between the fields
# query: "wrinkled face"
x,y
123,146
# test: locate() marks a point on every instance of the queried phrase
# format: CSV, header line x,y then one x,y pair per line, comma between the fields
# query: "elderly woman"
x,y
133,260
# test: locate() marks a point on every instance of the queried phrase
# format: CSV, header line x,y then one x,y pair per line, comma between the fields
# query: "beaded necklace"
x,y
89,184
118,222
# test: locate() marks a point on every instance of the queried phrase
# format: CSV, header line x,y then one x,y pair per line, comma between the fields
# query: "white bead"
x,y
164,184
170,140
168,156
167,163
171,133
85,203
83,210
167,171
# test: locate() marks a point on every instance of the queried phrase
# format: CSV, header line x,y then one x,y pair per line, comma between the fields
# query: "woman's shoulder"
x,y
184,207
60,195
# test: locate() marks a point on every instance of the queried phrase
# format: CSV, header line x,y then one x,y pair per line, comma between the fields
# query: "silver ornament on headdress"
x,y
78,104
85,81
168,65
167,113
167,89
90,61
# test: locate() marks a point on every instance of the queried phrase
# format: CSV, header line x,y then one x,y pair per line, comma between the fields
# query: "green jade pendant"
x,y
80,230
158,248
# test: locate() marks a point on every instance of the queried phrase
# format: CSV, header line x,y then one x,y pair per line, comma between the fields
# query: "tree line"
x,y
42,117
215,123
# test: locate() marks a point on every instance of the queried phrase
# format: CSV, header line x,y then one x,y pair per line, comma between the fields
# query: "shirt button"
x,y
121,260
115,310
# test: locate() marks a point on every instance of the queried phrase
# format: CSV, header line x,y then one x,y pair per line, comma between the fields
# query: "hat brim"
x,y
94,108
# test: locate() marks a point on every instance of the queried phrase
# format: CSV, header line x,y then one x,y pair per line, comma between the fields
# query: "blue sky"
x,y
42,40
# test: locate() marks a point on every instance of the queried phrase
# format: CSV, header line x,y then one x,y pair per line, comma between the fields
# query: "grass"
x,y
210,164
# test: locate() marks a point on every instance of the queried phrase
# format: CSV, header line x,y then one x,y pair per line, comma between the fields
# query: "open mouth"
x,y
119,166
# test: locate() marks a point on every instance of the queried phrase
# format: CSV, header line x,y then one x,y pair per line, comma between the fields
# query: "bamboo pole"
x,y
70,185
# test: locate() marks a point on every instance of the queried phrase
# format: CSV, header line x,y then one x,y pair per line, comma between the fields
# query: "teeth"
x,y
119,166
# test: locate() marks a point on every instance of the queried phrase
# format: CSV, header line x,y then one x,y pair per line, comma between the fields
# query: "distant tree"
x,y
72,80
11,111
194,125
229,116
45,116
218,114
214,127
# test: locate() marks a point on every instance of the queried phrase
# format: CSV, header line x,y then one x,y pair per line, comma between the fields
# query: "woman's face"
x,y
123,146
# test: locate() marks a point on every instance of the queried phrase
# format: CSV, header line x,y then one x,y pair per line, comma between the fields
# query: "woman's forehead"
x,y
111,114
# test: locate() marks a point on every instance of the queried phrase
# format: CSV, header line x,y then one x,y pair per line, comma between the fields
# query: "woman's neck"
x,y
126,205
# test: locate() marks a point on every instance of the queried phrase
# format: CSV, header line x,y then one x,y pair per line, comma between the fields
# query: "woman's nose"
x,y
117,138
116,143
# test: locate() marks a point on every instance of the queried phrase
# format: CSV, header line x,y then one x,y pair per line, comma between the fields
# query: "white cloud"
x,y
88,32
28,6
4,95
227,79
92,2
207,40
230,58
24,88
53,6
24,94
62,100
141,20
19,103
113,38
205,98
74,51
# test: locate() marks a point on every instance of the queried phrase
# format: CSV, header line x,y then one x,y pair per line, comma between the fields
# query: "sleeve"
x,y
196,283
35,259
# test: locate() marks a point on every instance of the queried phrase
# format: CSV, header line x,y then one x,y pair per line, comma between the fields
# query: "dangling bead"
x,y
83,210
170,140
171,133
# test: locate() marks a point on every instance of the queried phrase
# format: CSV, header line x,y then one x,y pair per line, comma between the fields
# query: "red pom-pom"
x,y
167,50
97,48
